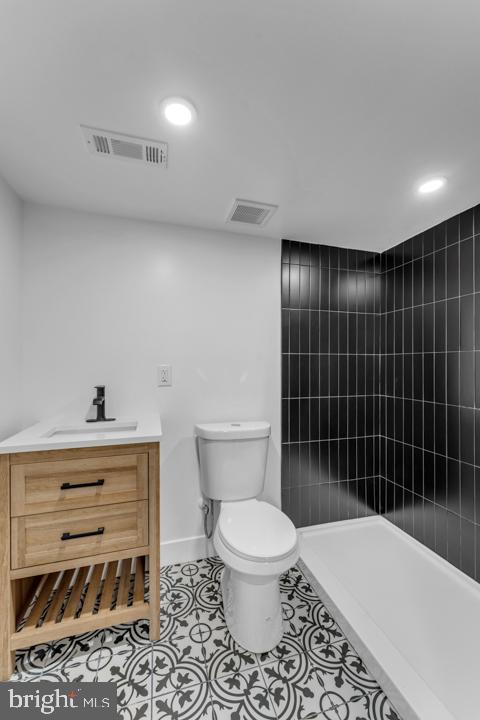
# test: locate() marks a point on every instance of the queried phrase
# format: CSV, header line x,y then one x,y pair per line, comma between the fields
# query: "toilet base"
x,y
253,609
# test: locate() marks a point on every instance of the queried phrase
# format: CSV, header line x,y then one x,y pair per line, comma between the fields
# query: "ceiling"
x,y
333,110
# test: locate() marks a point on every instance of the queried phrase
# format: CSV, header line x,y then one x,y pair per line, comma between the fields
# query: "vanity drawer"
x,y
47,537
68,484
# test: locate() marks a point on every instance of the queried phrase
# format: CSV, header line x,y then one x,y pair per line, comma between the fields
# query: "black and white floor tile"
x,y
198,672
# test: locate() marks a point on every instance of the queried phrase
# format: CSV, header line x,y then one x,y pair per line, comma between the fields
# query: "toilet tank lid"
x,y
233,430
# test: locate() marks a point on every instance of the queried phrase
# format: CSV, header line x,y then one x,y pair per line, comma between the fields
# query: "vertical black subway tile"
x,y
452,230
285,331
285,378
343,332
477,321
467,379
304,331
466,266
305,254
408,330
440,275
476,251
294,331
323,375
428,328
439,481
418,424
440,373
453,431
428,377
314,330
453,486
440,326
418,377
324,331
333,255
285,286
477,379
418,282
439,236
314,375
343,290
324,256
466,224
441,429
418,329
314,290
304,368
304,413
285,420
314,419
429,426
467,329
467,435
324,279
428,279
304,286
467,492
453,323
452,271
428,241
408,285
452,378
294,295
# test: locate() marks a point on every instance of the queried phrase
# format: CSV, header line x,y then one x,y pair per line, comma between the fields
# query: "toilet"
x,y
256,541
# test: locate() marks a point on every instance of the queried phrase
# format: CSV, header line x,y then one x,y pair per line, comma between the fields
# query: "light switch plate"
x,y
164,375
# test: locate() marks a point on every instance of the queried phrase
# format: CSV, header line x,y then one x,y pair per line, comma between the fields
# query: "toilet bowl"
x,y
256,541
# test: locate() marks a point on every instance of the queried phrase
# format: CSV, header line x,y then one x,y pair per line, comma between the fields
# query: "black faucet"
x,y
99,401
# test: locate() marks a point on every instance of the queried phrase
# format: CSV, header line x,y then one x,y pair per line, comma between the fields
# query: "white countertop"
x,y
72,431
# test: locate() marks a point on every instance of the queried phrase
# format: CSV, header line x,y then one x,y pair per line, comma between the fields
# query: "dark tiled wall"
x,y
331,313
430,340
381,386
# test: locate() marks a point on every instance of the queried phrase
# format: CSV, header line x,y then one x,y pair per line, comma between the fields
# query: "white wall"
x,y
10,336
106,299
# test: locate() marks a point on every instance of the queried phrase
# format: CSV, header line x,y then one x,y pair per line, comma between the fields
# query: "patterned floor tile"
x,y
296,688
308,622
370,707
222,655
241,696
191,703
130,667
342,670
174,670
198,672
293,583
136,711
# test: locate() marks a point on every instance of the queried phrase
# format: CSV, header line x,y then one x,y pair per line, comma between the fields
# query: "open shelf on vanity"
x,y
72,601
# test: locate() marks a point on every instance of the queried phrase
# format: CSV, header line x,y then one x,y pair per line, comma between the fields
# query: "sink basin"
x,y
85,428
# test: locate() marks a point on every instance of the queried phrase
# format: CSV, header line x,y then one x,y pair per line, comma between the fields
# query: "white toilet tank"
x,y
233,458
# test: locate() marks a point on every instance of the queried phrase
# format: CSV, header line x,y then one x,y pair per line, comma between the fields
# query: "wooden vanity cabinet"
x,y
79,531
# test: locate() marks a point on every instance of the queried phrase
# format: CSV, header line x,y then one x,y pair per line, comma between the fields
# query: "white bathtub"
x,y
413,617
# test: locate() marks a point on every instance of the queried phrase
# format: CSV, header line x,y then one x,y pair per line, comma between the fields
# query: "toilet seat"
x,y
256,530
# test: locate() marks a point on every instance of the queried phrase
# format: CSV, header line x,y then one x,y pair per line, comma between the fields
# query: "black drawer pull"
x,y
69,536
70,486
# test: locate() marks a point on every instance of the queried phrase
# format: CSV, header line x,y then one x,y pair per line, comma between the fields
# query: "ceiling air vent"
x,y
251,213
112,144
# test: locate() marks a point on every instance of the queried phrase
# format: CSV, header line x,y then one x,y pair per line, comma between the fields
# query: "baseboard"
x,y
185,550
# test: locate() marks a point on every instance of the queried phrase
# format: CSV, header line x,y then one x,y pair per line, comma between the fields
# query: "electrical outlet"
x,y
164,375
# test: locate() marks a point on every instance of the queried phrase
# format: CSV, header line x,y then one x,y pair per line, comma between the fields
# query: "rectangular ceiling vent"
x,y
251,213
128,147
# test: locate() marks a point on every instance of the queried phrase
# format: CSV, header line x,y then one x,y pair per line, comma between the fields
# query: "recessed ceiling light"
x,y
178,111
431,185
